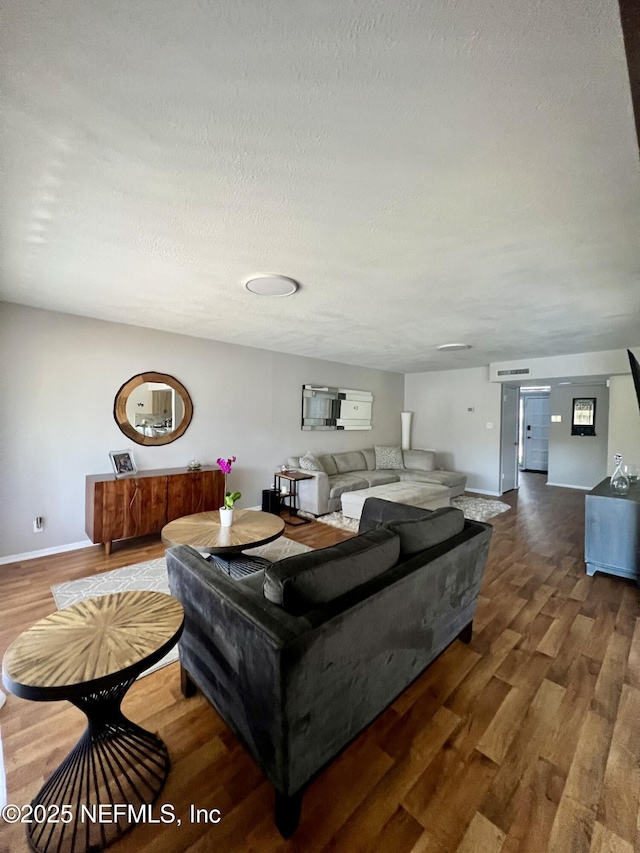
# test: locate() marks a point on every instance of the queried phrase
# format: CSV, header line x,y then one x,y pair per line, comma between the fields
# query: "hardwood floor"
x,y
524,741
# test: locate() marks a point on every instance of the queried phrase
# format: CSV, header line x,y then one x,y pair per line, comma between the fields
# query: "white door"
x,y
536,433
509,439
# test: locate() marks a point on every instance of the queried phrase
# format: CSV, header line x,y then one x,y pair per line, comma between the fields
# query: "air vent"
x,y
519,372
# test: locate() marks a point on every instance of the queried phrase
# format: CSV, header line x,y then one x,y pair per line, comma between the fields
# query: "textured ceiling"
x,y
429,171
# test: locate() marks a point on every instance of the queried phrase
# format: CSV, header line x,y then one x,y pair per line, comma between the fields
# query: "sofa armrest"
x,y
313,494
232,647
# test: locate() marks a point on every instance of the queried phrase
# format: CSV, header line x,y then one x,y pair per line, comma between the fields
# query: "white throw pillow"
x,y
310,462
388,457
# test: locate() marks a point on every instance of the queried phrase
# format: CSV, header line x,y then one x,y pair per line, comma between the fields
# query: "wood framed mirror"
x,y
153,408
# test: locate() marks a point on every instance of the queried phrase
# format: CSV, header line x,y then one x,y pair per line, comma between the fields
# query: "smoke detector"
x,y
453,347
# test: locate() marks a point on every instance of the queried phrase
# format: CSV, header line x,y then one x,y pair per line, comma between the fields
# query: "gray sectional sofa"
x,y
300,657
355,470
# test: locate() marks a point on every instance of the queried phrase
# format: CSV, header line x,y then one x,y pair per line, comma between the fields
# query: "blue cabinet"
x,y
612,531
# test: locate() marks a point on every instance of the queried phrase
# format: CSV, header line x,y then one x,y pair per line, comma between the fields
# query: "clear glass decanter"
x,y
619,480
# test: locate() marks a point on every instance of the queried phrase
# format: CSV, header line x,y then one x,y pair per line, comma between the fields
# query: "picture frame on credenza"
x,y
123,463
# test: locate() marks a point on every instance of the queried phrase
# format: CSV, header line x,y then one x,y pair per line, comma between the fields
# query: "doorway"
x,y
534,431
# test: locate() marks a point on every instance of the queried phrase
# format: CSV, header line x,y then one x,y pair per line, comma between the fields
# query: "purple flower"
x,y
226,464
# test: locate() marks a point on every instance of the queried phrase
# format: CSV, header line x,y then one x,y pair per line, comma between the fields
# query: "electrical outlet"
x,y
38,524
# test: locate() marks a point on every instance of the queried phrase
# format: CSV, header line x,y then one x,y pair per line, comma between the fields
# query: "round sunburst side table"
x,y
90,654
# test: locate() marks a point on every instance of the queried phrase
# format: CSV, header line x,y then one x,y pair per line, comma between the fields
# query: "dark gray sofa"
x,y
297,681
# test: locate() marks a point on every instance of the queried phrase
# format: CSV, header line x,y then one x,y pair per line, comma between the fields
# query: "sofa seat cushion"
x,y
345,483
379,478
304,581
350,461
418,534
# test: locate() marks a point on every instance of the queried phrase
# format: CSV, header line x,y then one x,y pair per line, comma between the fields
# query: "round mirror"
x,y
153,408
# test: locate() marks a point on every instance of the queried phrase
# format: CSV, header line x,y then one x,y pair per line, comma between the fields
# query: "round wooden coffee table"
x,y
90,654
203,531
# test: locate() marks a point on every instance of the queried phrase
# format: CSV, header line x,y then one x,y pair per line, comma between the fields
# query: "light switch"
x,y
489,425
556,419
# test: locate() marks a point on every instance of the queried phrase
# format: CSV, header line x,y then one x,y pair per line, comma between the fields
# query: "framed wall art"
x,y
583,418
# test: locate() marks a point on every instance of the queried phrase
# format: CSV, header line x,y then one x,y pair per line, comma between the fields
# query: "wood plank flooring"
x,y
525,741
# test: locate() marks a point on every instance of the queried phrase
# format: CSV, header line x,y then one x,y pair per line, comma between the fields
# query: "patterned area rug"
x,y
153,575
475,509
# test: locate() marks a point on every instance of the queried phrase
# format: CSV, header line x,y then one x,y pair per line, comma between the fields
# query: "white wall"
x,y
577,461
60,374
441,421
624,422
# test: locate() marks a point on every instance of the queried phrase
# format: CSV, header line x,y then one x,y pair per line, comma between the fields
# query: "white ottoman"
x,y
424,495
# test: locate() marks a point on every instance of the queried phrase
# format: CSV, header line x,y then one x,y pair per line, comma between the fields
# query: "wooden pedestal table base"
x,y
90,654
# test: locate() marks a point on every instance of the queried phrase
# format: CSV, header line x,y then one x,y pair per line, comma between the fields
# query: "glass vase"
x,y
619,480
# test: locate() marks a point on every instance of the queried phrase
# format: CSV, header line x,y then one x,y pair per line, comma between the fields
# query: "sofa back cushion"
x,y
304,581
351,461
328,463
419,533
370,458
376,511
419,460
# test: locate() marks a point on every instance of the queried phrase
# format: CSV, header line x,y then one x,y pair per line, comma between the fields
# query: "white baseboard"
x,y
569,486
45,552
60,549
484,492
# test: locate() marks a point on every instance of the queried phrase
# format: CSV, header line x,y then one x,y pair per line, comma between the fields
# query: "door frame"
x,y
536,395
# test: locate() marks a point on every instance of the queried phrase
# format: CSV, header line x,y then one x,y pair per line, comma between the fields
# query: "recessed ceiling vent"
x,y
520,371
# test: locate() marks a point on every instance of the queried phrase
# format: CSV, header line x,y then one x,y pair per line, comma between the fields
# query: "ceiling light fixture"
x,y
453,347
271,284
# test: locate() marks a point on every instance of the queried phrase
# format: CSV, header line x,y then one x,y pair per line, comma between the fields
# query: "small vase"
x,y
226,516
619,480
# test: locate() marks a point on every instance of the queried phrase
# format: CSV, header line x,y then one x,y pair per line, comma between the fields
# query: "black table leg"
x,y
292,496
114,762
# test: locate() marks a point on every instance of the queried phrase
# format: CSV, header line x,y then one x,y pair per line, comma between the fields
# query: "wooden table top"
x,y
94,642
250,528
293,475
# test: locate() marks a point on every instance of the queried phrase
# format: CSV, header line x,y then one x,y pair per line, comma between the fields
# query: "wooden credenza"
x,y
120,508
